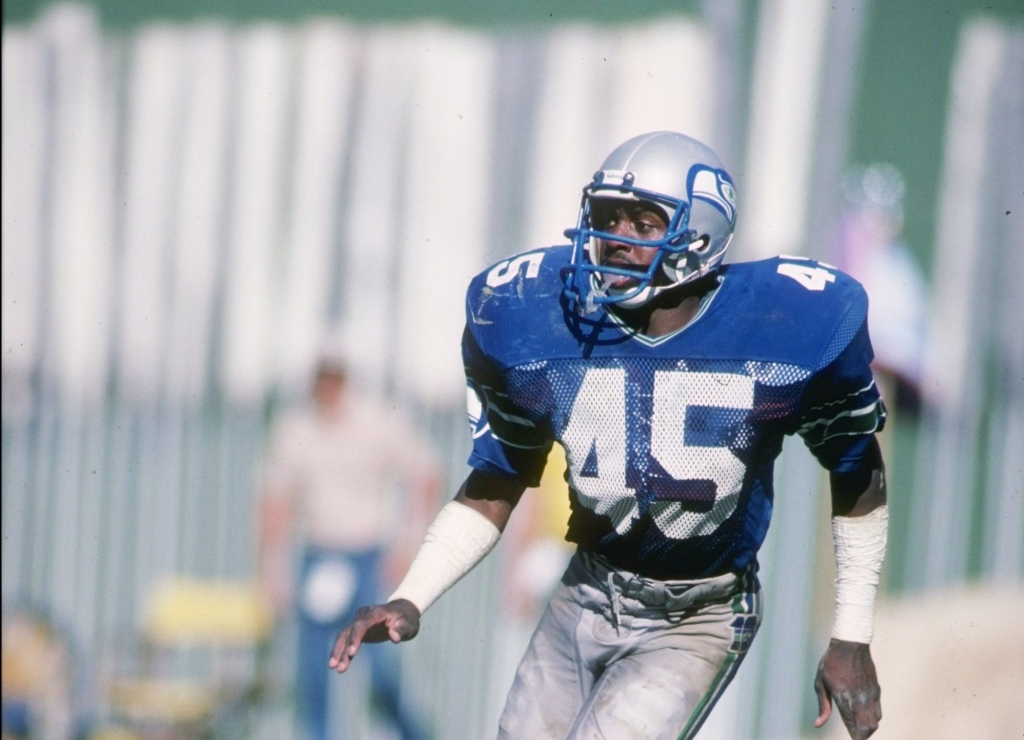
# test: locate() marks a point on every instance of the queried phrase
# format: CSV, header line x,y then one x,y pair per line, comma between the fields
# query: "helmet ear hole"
x,y
701,244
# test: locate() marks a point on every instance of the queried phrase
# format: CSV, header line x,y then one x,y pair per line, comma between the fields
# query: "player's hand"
x,y
397,621
846,674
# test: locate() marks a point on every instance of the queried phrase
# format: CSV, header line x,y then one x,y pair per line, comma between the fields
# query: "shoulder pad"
x,y
793,307
535,271
517,298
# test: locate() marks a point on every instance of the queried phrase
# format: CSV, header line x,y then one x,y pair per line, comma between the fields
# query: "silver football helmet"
x,y
688,181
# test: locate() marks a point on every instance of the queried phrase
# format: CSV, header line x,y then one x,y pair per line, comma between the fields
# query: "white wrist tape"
x,y
860,549
458,539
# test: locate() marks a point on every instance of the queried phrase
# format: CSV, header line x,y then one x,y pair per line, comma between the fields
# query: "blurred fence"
x,y
968,504
187,209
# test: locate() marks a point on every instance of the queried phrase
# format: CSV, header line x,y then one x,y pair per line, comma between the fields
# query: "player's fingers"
x,y
863,731
398,628
338,652
824,701
395,631
348,642
865,715
358,631
847,706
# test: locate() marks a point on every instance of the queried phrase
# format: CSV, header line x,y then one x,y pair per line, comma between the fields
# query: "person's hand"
x,y
398,620
846,674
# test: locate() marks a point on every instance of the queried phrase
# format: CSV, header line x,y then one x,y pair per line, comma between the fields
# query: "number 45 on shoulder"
x,y
808,274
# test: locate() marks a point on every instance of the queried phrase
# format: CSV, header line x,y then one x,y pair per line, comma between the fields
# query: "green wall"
x,y
904,76
900,113
490,13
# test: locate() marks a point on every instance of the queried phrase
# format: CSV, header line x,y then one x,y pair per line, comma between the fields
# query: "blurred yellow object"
x,y
115,733
222,619
187,611
553,503
163,702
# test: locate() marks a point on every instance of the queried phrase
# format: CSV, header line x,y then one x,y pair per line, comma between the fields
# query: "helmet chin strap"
x,y
600,287
645,295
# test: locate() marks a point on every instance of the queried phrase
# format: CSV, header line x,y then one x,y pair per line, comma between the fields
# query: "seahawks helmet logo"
x,y
714,187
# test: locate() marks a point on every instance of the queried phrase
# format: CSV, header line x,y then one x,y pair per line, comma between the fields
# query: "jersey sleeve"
x,y
507,443
841,408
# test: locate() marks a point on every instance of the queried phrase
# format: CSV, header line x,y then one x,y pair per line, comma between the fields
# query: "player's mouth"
x,y
612,280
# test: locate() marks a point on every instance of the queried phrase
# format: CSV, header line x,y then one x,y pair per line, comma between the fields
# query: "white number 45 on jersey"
x,y
808,274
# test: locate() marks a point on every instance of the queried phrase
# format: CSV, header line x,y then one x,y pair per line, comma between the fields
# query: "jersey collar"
x,y
705,303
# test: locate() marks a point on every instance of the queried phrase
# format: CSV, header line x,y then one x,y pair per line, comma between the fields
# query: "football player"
x,y
670,380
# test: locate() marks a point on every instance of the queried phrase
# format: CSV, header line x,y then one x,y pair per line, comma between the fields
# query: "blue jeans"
x,y
321,619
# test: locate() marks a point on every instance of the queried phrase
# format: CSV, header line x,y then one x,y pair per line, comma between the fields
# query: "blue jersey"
x,y
670,441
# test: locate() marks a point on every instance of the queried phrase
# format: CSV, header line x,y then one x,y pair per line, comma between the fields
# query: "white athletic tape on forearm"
x,y
458,539
860,549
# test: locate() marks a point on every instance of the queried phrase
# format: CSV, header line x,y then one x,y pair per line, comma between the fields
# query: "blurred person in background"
x,y
37,671
670,380
870,248
333,488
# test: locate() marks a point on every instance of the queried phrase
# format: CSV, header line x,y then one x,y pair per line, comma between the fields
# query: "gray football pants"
x,y
617,657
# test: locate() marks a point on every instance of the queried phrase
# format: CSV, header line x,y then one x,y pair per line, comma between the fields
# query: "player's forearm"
x,y
497,512
858,492
860,543
463,533
860,522
458,539
490,496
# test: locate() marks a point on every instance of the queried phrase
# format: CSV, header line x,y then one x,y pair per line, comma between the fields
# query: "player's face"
x,y
638,220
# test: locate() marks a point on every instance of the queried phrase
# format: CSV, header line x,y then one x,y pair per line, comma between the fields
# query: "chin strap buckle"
x,y
595,292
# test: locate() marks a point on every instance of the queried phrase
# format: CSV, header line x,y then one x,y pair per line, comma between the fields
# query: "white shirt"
x,y
343,473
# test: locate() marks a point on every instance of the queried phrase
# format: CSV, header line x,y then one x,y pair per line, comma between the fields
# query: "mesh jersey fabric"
x,y
670,442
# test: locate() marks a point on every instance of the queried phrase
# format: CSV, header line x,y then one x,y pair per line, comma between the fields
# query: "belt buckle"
x,y
660,596
650,595
680,596
678,590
